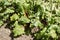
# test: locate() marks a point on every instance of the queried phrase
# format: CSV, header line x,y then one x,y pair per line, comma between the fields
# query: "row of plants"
x,y
23,15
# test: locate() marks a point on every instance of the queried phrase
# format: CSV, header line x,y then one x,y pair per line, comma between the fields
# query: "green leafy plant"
x,y
44,14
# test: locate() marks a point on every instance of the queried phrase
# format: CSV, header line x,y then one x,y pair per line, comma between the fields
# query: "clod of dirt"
x,y
24,37
35,29
4,33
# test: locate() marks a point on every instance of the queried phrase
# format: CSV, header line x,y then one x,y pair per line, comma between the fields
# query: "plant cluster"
x,y
23,15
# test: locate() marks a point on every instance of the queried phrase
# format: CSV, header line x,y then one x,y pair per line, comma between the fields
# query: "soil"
x,y
4,33
24,37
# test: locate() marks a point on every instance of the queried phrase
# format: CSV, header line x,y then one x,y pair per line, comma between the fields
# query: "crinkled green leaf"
x,y
54,27
37,23
9,10
14,17
24,19
53,34
18,30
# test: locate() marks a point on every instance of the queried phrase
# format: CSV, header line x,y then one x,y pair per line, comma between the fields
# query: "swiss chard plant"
x,y
23,15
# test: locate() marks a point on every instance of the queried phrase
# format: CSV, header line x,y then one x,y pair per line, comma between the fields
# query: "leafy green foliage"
x,y
14,17
18,30
51,34
24,19
26,14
